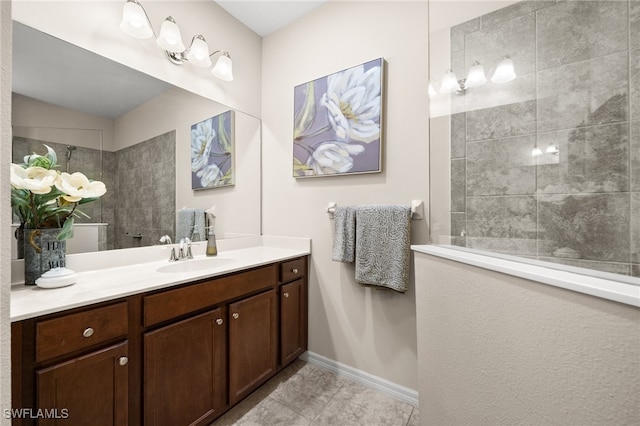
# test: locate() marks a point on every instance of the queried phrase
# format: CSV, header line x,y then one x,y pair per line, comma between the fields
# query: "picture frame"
x,y
337,123
213,152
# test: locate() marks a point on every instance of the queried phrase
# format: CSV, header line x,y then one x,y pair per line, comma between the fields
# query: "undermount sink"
x,y
192,265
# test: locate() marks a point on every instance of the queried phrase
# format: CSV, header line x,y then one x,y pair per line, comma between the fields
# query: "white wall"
x,y
5,210
501,350
367,329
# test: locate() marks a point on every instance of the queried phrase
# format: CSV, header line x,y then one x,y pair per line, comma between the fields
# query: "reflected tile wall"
x,y
578,88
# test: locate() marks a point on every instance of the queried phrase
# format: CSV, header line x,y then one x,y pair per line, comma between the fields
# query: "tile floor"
x,y
306,395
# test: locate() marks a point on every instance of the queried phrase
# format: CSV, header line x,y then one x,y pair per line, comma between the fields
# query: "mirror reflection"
x,y
130,131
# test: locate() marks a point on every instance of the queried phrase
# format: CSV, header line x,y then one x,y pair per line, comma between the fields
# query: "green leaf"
x,y
67,230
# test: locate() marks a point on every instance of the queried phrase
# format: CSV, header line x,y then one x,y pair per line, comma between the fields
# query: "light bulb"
x,y
475,77
170,38
536,152
505,71
552,149
198,53
134,20
449,83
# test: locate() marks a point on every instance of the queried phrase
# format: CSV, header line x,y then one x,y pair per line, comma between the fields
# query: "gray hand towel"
x,y
344,234
383,246
198,225
184,223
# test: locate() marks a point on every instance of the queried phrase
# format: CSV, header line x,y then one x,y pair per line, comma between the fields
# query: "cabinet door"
x,y
252,343
184,371
291,322
88,390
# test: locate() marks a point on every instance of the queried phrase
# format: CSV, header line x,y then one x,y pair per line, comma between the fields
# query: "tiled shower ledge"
x,y
623,292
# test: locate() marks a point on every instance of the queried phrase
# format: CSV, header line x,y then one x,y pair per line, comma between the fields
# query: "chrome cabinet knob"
x,y
219,321
123,360
236,315
286,295
88,332
294,270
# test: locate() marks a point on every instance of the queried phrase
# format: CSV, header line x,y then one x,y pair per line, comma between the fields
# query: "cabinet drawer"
x,y
174,303
292,269
72,332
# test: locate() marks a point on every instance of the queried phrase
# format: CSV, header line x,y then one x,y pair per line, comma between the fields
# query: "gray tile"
x,y
414,420
580,30
514,11
355,404
502,121
634,24
592,226
266,413
459,31
635,155
591,159
614,268
501,167
458,135
583,93
515,38
457,64
635,227
458,183
634,84
512,246
501,217
635,270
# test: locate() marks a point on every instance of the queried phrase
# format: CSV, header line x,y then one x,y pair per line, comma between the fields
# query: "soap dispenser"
x,y
212,248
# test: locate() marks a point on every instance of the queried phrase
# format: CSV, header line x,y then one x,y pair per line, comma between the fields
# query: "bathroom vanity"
x,y
176,355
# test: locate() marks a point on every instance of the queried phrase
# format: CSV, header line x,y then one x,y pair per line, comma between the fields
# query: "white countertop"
x,y
113,282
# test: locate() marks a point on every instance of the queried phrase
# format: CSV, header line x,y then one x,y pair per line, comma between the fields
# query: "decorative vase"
x,y
42,251
19,234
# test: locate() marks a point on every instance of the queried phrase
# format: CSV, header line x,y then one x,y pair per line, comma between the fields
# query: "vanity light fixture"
x,y
551,149
135,22
502,71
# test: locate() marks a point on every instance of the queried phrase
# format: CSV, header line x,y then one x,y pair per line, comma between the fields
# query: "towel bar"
x,y
417,209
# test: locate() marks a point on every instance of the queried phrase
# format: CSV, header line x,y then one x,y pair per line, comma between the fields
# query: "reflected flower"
x,y
333,157
35,179
210,175
77,186
353,104
201,140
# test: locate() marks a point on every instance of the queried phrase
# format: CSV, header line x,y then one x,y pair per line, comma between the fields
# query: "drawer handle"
x,y
88,332
219,321
286,295
294,270
236,315
123,360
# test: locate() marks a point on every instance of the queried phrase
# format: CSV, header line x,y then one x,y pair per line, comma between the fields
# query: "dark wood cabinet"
x,y
185,371
252,343
90,389
177,356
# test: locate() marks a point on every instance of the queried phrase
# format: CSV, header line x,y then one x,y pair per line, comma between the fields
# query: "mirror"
x,y
131,131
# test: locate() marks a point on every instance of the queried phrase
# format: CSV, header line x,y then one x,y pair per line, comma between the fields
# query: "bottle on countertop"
x,y
212,248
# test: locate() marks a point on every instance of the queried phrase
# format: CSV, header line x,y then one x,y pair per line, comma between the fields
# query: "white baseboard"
x,y
392,389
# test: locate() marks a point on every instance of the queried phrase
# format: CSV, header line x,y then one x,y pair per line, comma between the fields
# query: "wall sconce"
x,y
551,149
502,71
135,22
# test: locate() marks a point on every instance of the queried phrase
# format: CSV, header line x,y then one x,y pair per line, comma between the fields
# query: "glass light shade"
x,y
170,38
449,83
536,152
552,149
432,90
198,53
224,68
505,71
475,77
134,21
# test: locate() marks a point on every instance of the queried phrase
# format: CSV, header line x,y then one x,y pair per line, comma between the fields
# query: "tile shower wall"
x,y
578,88
145,189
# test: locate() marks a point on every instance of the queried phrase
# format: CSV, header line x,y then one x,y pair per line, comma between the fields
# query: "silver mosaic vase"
x,y
42,251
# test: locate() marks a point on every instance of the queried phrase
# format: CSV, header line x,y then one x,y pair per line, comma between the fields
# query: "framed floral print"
x,y
212,152
337,122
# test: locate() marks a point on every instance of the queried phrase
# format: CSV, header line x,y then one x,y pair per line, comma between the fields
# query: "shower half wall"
x,y
546,166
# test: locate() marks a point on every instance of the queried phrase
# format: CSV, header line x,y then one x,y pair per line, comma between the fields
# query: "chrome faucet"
x,y
165,239
181,251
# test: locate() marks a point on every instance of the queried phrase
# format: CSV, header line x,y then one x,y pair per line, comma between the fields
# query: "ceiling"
x,y
267,16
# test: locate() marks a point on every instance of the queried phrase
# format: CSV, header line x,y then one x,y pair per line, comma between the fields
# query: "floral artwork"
x,y
212,148
337,122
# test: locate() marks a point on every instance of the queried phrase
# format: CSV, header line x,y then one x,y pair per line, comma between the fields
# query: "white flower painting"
x,y
337,123
212,149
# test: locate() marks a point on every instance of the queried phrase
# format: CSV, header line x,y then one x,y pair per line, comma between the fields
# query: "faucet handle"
x,y
189,254
173,257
